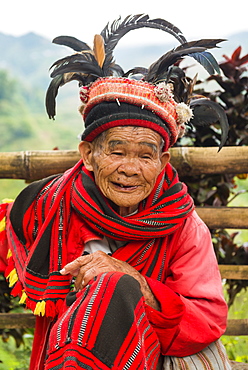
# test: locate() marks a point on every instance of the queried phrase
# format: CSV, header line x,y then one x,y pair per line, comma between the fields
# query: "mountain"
x,y
30,56
27,59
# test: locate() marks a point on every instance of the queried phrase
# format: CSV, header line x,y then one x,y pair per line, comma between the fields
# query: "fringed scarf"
x,y
38,228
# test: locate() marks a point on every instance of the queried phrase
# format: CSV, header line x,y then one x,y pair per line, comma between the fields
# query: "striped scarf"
x,y
39,221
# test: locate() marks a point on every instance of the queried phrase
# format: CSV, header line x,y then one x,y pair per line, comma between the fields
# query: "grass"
x,y
237,346
240,201
10,188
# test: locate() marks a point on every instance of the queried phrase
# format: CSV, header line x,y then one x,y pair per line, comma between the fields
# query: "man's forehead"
x,y
128,134
114,143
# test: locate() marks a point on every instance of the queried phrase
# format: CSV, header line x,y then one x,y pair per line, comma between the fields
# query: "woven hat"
x,y
159,97
130,103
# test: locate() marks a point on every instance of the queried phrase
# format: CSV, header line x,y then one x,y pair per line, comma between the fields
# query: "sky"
x,y
82,19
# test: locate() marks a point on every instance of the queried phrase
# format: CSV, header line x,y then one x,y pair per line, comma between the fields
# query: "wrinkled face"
x,y
126,164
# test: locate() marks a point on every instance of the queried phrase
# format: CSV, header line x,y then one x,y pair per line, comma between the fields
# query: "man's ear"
x,y
86,150
164,158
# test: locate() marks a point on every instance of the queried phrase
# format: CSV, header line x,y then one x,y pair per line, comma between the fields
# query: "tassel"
x,y
7,200
12,277
17,290
59,305
9,254
40,308
50,309
2,224
23,298
31,305
10,267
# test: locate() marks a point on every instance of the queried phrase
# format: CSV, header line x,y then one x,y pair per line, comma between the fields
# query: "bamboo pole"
x,y
238,365
237,327
34,165
235,272
191,161
16,320
27,320
224,217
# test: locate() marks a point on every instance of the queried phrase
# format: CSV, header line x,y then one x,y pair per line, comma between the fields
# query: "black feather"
x,y
196,49
71,59
207,112
79,67
205,58
206,43
136,71
51,94
57,82
208,61
115,70
71,42
163,63
81,63
114,32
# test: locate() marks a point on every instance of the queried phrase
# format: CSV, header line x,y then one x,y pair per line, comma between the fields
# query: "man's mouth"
x,y
124,186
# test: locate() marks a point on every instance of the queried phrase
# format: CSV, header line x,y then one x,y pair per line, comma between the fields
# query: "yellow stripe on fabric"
x,y
12,277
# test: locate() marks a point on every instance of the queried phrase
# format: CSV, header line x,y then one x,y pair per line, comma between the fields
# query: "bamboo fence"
x,y
34,165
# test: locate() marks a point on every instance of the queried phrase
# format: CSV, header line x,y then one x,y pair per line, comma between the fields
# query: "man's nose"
x,y
130,167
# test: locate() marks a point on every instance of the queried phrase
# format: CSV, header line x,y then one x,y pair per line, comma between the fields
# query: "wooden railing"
x,y
34,165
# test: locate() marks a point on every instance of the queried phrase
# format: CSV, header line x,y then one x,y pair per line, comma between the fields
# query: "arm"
x,y
87,267
193,275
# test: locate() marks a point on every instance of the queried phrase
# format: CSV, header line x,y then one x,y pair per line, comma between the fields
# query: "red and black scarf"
x,y
39,220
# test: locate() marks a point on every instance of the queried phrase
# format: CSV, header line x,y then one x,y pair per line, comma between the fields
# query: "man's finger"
x,y
75,265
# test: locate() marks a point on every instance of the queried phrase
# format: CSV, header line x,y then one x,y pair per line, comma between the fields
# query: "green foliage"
x,y
23,126
13,358
237,346
7,86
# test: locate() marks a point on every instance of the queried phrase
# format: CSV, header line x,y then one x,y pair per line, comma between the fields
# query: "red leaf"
x,y
243,60
236,54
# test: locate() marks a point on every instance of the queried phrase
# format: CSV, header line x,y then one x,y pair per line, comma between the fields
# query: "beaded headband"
x,y
163,88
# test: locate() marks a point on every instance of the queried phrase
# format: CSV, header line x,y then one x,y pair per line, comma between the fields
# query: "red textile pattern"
x,y
104,333
3,237
40,248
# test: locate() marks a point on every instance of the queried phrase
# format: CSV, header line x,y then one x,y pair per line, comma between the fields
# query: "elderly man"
x,y
111,256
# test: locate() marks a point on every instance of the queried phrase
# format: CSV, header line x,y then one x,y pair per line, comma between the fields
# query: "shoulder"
x,y
27,195
194,221
193,232
196,230
192,239
25,199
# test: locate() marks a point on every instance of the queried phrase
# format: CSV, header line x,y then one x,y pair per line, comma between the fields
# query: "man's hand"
x,y
87,267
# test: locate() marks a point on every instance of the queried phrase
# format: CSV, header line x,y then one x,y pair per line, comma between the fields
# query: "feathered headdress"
x,y
160,88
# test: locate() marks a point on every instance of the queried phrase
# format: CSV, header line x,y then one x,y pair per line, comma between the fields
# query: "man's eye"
x,y
146,156
117,153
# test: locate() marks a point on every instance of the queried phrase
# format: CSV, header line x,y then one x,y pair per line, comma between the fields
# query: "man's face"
x,y
126,164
